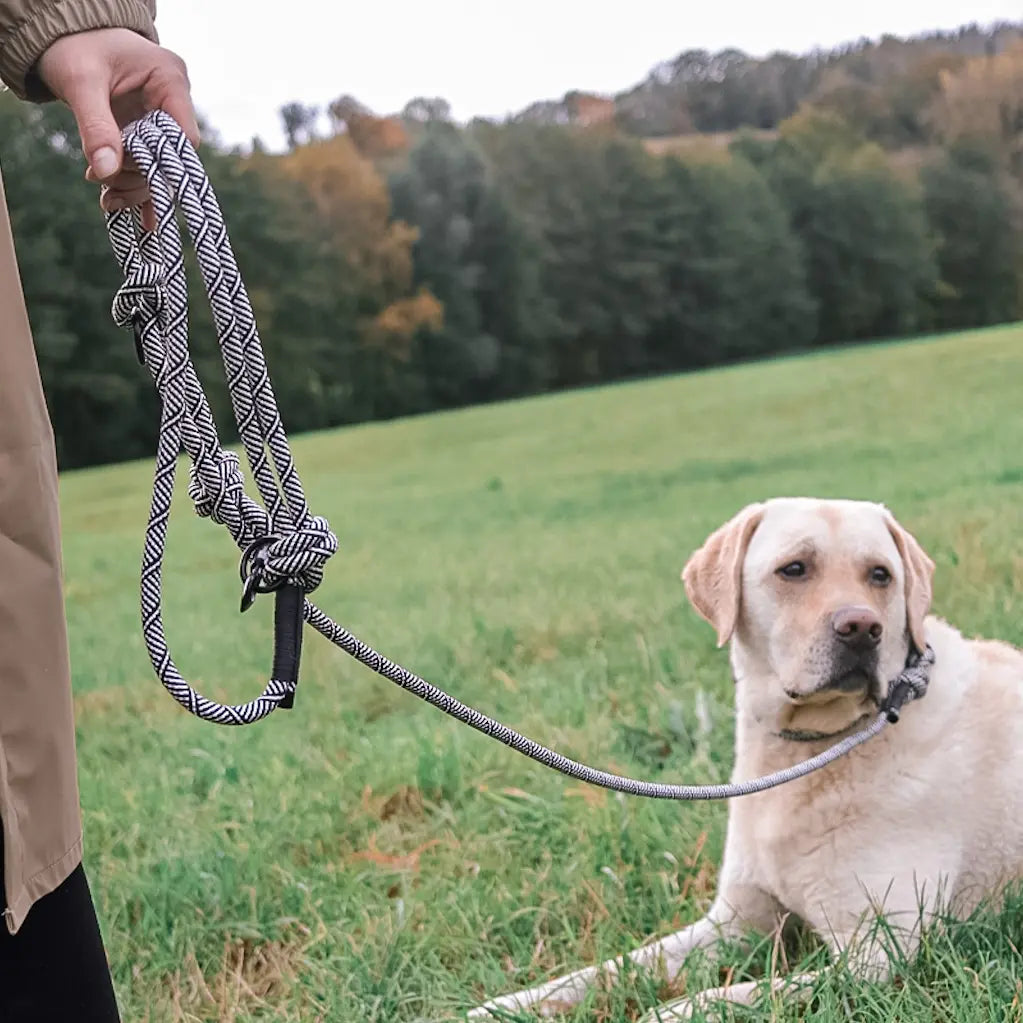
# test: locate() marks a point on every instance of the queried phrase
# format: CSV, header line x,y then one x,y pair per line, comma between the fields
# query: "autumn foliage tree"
x,y
982,104
374,137
352,207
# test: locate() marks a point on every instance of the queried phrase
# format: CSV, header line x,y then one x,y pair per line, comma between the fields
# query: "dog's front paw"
x,y
681,1008
555,998
523,1001
544,1002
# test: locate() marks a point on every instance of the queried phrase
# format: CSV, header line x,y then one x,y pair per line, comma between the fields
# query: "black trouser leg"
x,y
54,970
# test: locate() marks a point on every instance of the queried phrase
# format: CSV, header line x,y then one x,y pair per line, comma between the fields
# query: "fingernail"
x,y
104,162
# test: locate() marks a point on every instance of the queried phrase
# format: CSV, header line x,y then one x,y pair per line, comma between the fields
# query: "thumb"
x,y
89,101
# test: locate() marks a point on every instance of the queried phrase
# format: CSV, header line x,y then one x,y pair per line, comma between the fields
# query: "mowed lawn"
x,y
365,858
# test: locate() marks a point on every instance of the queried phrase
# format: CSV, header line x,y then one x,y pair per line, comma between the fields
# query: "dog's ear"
x,y
919,572
713,575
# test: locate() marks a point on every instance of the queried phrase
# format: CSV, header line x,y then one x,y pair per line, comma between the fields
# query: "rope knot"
x,y
295,559
223,505
140,297
300,556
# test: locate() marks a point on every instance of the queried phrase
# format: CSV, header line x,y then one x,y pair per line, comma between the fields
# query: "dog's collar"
x,y
803,735
910,684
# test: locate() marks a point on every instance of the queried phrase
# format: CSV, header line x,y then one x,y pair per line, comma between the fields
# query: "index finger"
x,y
179,106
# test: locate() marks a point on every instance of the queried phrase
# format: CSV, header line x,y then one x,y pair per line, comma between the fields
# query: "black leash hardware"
x,y
911,684
252,569
289,617
901,692
288,612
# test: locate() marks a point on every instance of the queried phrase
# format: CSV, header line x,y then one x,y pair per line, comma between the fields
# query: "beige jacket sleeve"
x,y
28,27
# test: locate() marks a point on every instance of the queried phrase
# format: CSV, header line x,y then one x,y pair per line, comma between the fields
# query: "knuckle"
x,y
78,73
174,70
78,80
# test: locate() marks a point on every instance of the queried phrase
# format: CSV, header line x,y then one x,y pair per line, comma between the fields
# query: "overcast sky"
x,y
486,58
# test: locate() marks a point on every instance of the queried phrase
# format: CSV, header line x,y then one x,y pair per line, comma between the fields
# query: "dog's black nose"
x,y
857,627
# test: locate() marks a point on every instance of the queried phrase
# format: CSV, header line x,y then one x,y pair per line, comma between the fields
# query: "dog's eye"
x,y
793,570
880,576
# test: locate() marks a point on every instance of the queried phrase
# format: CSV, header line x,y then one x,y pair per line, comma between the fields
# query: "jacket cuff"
x,y
22,47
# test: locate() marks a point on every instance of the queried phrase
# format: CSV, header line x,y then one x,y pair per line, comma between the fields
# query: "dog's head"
x,y
821,599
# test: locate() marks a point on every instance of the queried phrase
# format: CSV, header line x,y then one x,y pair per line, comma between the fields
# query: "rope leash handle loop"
x,y
284,546
292,544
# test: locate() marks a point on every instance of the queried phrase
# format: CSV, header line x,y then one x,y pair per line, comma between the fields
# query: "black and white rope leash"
x,y
284,546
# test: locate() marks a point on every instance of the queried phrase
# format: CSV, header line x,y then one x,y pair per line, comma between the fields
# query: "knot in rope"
x,y
299,557
223,502
140,297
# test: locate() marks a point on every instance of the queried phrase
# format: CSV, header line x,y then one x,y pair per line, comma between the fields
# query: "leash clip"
x,y
288,613
253,564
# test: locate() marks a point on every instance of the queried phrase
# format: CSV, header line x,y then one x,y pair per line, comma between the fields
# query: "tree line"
x,y
399,264
888,87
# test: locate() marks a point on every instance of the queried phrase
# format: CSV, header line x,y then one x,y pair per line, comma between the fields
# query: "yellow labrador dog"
x,y
821,602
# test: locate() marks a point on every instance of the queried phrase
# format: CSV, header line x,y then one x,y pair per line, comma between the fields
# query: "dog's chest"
x,y
796,844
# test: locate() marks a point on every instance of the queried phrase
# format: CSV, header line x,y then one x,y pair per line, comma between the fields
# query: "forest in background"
x,y
728,207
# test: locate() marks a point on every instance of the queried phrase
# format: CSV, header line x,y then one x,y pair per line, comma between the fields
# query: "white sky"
x,y
246,59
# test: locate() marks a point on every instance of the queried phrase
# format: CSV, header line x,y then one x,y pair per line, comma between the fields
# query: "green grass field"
x,y
365,858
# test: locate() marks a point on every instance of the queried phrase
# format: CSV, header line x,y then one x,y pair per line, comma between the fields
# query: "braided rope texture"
x,y
153,302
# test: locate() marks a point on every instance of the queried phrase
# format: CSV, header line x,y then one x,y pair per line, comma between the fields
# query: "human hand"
x,y
110,77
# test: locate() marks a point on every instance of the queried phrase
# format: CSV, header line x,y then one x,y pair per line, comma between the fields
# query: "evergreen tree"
x,y
735,277
471,254
868,250
969,205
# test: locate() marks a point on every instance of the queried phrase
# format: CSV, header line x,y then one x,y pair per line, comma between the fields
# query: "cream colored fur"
x,y
921,819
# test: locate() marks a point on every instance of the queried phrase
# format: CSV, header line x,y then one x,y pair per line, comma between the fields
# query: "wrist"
x,y
22,45
71,54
